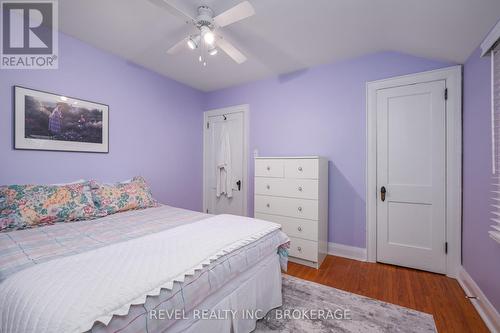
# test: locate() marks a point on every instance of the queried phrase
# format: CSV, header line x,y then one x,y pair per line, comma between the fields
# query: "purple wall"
x,y
318,111
155,126
480,252
321,111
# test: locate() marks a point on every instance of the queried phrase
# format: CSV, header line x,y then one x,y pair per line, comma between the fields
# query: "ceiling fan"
x,y
208,39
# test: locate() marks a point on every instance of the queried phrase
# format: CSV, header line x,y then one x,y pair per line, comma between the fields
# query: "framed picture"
x,y
46,121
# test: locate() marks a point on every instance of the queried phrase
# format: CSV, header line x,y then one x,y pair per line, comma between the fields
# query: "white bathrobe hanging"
x,y
224,175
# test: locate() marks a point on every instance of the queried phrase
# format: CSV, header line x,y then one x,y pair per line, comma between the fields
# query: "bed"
x,y
151,270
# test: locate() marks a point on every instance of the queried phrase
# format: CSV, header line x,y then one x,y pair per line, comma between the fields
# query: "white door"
x,y
233,119
411,169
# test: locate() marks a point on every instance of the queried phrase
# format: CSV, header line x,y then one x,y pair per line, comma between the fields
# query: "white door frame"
x,y
453,78
245,108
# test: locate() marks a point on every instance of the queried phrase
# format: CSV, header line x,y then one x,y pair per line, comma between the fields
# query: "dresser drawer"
x,y
302,168
293,227
300,208
269,168
303,249
284,187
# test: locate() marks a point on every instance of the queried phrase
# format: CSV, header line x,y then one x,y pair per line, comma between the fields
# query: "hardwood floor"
x,y
423,291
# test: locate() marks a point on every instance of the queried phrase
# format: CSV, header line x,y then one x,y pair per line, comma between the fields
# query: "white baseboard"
x,y
346,251
486,310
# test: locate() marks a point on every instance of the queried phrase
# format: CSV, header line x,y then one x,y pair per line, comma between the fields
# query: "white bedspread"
x,y
95,285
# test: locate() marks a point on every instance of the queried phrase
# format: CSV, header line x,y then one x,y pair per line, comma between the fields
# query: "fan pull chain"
x,y
204,54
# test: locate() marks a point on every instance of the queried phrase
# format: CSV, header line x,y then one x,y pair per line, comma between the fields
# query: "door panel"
x,y
410,225
234,124
411,153
409,139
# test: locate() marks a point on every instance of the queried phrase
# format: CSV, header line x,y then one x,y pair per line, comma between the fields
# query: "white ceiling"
x,y
283,36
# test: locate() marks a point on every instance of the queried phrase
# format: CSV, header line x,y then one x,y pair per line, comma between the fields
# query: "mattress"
x,y
22,249
25,248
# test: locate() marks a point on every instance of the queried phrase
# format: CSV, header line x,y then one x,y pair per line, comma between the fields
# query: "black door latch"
x,y
238,183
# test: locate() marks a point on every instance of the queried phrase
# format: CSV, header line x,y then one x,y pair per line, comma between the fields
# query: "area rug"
x,y
312,307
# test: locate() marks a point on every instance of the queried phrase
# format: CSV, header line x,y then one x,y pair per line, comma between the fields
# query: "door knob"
x,y
238,183
382,193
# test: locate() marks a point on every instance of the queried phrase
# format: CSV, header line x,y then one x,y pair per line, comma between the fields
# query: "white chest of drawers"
x,y
293,192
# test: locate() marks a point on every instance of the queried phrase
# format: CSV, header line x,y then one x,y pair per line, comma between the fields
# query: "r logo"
x,y
27,28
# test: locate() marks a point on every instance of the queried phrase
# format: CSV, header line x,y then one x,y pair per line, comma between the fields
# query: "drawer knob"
x,y
300,189
268,205
268,187
299,249
268,168
300,209
299,228
300,168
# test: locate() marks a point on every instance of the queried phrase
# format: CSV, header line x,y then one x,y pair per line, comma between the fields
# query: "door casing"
x,y
453,78
245,109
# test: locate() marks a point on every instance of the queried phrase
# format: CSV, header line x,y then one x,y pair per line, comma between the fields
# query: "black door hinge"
x,y
208,125
446,248
446,94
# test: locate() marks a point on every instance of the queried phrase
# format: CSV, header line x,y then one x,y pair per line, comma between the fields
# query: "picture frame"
x,y
55,122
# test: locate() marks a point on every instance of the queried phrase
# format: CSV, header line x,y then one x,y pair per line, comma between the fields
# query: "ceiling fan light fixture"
x,y
193,42
213,51
208,40
208,35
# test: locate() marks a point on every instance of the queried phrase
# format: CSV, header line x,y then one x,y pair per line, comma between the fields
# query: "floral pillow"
x,y
23,206
119,197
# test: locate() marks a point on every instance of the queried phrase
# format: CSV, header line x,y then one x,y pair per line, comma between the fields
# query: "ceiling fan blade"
x,y
235,14
174,10
231,51
176,48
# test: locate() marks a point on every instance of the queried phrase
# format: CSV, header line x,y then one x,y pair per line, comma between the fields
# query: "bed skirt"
x,y
240,303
